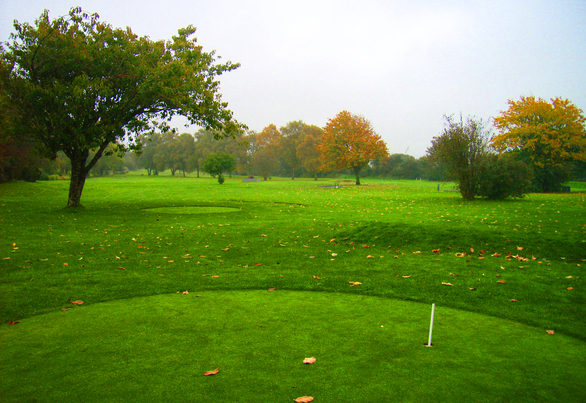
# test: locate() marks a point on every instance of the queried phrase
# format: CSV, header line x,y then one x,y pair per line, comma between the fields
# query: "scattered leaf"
x,y
271,289
304,399
570,288
66,264
435,251
212,372
317,277
448,284
310,360
185,292
370,257
512,300
121,268
501,281
216,276
460,254
77,302
334,254
406,276
550,332
13,322
65,309
226,249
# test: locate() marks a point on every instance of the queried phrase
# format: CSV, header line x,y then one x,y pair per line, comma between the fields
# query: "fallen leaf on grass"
x,y
215,276
317,277
549,332
310,360
65,309
353,283
213,372
13,322
271,289
512,300
121,268
435,251
501,281
185,292
406,276
460,254
448,284
304,399
370,257
570,288
77,302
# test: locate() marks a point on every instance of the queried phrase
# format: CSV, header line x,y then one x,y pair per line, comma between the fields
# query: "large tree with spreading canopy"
x,y
350,142
76,84
547,135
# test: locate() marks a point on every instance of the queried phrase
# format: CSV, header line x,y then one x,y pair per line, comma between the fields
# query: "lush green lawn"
x,y
514,261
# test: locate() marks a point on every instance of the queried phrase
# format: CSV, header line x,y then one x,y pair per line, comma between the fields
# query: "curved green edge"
x,y
367,348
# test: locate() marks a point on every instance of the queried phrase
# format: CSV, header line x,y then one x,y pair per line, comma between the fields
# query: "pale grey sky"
x,y
400,64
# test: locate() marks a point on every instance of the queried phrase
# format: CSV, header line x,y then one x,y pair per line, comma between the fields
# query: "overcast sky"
x,y
400,64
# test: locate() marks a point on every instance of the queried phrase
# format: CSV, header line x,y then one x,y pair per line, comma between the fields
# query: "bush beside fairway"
x,y
518,260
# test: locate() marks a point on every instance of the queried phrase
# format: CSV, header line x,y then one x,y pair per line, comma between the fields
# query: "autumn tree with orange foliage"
x,y
349,142
547,135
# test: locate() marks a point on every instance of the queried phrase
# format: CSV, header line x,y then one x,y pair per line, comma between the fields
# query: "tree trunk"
x,y
357,175
78,175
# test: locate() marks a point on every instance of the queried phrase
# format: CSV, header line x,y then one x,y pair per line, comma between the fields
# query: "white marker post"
x,y
431,325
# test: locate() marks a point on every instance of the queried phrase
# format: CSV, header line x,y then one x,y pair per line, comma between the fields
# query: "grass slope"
x,y
367,349
140,237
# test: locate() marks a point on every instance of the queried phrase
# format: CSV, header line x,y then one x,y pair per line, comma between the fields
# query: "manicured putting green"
x,y
367,349
193,210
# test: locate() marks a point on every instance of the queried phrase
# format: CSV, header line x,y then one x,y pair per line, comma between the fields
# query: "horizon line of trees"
x,y
291,151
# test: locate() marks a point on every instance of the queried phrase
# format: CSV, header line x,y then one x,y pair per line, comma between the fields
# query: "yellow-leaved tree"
x,y
547,135
350,142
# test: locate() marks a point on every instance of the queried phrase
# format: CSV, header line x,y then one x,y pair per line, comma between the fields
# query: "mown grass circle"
x,y
193,209
367,349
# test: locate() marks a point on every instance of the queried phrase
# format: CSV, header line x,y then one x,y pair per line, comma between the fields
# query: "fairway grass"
x,y
356,253
367,349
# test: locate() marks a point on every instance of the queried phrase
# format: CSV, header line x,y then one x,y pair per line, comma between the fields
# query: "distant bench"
x,y
251,180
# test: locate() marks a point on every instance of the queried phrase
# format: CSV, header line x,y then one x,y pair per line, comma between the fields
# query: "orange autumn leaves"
x,y
549,133
349,141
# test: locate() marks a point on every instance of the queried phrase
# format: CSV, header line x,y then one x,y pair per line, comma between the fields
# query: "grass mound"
x,y
457,238
367,349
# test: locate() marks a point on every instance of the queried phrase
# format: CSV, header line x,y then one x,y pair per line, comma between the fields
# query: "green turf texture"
x,y
367,349
147,237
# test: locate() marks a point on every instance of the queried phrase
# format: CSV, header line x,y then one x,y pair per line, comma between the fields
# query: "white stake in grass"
x,y
431,325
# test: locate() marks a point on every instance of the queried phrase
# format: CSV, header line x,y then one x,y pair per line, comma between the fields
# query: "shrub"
x,y
503,176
